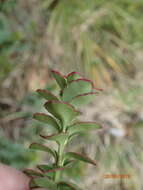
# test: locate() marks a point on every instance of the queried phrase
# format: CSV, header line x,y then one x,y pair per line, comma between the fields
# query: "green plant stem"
x,y
60,158
59,163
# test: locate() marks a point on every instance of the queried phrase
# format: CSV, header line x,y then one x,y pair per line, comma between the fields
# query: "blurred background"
x,y
103,40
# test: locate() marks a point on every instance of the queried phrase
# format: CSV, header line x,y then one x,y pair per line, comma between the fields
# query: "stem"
x,y
59,162
61,147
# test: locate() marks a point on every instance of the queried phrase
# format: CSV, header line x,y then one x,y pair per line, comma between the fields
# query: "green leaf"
x,y
83,99
49,168
62,111
36,146
68,163
80,157
61,80
73,76
46,94
47,119
69,185
82,126
45,168
31,172
43,182
60,138
75,88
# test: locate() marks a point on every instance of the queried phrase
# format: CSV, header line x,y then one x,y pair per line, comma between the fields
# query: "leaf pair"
x,y
64,80
45,182
63,111
76,90
67,156
77,127
60,138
